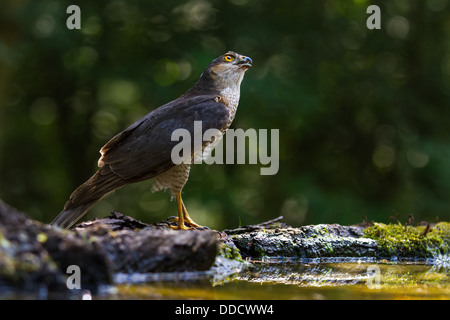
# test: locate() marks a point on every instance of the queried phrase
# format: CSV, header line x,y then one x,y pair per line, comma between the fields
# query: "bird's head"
x,y
228,70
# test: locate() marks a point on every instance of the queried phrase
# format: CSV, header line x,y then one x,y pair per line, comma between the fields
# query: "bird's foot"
x,y
180,227
188,224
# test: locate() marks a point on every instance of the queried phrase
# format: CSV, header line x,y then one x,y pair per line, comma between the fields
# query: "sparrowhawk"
x,y
143,150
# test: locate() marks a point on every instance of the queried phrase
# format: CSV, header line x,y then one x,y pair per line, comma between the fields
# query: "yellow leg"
x,y
188,219
180,220
184,221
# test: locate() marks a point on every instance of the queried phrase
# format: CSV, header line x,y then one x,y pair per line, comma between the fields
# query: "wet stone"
x,y
305,242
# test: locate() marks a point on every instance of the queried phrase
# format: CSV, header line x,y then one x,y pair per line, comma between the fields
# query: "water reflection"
x,y
312,280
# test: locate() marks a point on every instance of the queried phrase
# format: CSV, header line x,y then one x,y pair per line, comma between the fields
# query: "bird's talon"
x,y
180,227
185,226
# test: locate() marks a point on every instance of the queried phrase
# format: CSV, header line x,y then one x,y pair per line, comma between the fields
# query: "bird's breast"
x,y
231,98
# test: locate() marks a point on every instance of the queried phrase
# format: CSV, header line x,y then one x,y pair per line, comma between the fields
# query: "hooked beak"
x,y
246,62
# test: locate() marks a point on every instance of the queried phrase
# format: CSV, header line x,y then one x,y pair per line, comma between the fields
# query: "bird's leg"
x,y
188,219
184,221
180,220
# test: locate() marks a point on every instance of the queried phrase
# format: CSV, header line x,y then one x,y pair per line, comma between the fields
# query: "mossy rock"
x,y
316,241
396,240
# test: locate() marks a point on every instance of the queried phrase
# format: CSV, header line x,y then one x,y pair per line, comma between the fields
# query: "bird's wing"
x,y
144,149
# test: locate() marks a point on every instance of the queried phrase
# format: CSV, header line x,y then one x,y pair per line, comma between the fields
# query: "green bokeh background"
x,y
364,115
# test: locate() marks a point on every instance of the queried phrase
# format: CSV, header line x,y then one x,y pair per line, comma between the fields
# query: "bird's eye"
x,y
228,58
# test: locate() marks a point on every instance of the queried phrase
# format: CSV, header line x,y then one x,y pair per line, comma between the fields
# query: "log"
x,y
133,246
276,240
35,256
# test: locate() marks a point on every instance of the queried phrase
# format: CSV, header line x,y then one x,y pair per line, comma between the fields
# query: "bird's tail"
x,y
87,195
68,217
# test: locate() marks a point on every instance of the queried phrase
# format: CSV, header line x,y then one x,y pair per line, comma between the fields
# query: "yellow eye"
x,y
228,58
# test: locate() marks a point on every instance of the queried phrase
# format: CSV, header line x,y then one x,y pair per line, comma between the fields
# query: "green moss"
x,y
409,241
230,252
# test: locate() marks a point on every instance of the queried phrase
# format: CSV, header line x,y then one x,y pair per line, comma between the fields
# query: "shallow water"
x,y
279,280
292,280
